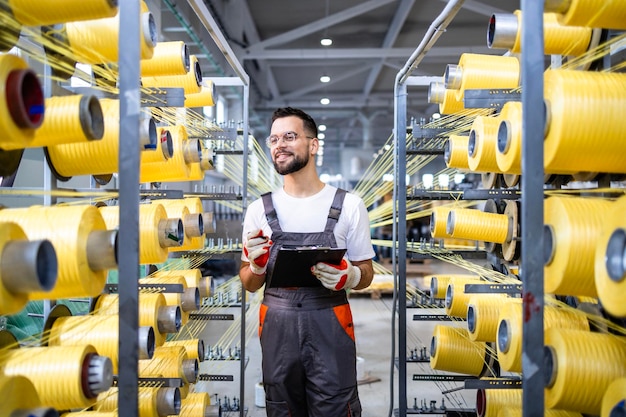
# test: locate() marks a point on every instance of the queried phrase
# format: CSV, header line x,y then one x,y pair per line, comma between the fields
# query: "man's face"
x,y
290,157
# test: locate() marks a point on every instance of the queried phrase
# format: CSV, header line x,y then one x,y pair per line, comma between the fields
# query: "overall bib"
x,y
307,335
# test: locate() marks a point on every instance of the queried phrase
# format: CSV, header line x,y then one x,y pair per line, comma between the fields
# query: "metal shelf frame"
x,y
532,65
129,193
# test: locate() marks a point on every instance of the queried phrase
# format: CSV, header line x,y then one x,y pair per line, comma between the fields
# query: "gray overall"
x,y
307,336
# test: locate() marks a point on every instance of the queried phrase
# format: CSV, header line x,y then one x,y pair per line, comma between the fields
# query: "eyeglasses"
x,y
287,137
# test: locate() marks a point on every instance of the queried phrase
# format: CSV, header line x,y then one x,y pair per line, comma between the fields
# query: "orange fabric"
x,y
344,316
262,313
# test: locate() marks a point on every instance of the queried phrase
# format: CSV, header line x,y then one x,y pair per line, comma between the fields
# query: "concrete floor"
x,y
372,319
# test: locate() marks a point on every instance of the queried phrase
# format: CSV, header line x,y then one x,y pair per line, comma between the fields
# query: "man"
x,y
306,332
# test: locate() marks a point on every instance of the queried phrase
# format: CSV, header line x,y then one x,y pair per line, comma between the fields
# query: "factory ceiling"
x,y
278,44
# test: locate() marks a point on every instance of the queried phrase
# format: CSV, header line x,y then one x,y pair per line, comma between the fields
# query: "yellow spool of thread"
x,y
147,397
49,12
475,224
206,96
438,221
99,157
169,362
457,299
21,102
191,82
573,226
509,139
517,412
194,204
91,414
614,398
510,330
100,331
156,231
17,393
178,166
59,374
609,268
490,402
476,71
481,145
163,151
81,241
193,278
482,316
184,391
585,121
504,33
97,41
608,14
70,119
25,266
452,351
188,300
455,152
193,223
194,348
168,58
580,366
448,104
439,283
94,157
153,312
195,404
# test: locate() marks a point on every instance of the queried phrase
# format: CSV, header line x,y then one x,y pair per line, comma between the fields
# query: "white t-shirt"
x,y
309,214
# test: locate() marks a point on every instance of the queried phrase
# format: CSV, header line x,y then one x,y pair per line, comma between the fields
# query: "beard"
x,y
296,164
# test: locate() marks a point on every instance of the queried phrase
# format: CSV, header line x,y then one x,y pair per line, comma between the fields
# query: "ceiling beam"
x,y
361,53
320,24
318,86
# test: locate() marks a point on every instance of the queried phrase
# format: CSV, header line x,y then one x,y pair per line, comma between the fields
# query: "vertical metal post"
x,y
399,237
128,253
533,122
244,198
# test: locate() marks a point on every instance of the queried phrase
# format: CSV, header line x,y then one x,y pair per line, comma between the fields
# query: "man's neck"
x,y
302,184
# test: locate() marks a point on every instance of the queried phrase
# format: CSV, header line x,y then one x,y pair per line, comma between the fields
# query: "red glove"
x,y
257,249
337,277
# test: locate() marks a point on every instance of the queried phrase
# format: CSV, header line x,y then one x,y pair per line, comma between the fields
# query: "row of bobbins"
x,y
584,237
60,252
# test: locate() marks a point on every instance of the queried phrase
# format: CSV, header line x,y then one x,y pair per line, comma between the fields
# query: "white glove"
x,y
337,277
257,249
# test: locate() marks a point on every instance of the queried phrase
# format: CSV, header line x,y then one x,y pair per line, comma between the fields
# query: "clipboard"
x,y
293,265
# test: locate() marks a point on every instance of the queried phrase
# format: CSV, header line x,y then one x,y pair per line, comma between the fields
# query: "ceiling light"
x,y
325,78
436,116
321,142
325,101
326,42
321,136
321,128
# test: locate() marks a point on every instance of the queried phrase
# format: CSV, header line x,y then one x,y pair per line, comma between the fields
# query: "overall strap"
x,y
270,212
335,210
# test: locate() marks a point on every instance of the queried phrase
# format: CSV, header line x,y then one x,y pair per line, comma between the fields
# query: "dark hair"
x,y
309,123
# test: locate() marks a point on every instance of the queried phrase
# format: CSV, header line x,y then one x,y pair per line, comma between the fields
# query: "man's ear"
x,y
314,146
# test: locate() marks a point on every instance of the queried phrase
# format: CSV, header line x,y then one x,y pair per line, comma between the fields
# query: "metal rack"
x,y
532,204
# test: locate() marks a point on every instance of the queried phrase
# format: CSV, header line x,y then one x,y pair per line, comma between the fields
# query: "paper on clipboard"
x,y
293,265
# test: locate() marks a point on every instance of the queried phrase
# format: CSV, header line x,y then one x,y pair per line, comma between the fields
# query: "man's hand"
x,y
257,249
337,277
